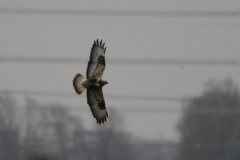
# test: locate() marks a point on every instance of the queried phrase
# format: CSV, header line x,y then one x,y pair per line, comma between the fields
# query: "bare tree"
x,y
113,141
210,127
30,126
53,130
63,126
7,113
48,130
9,142
107,142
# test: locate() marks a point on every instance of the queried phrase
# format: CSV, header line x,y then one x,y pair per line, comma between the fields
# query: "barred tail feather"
x,y
78,83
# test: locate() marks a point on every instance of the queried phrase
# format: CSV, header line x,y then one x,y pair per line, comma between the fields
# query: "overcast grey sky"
x,y
126,37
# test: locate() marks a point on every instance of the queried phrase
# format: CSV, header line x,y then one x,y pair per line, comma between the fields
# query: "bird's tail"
x,y
78,83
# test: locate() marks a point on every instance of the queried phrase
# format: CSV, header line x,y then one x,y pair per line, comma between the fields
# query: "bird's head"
x,y
103,82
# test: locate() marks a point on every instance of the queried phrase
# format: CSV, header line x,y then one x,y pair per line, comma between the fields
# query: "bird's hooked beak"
x,y
103,82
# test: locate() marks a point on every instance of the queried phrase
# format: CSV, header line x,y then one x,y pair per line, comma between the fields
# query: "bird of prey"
x,y
94,83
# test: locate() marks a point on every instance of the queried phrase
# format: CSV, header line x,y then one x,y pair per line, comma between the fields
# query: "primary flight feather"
x,y
94,83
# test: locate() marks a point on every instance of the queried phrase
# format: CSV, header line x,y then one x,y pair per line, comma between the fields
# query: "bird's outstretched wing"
x,y
96,64
97,104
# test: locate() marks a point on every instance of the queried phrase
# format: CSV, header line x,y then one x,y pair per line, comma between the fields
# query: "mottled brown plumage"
x,y
94,83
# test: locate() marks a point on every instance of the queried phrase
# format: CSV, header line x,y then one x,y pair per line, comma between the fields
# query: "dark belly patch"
x,y
93,80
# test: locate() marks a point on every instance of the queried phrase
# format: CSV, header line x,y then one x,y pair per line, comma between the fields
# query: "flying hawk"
x,y
94,83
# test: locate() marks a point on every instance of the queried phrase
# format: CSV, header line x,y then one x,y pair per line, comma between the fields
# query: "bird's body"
x,y
94,83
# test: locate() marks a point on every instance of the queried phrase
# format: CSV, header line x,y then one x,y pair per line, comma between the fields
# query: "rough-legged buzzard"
x,y
94,83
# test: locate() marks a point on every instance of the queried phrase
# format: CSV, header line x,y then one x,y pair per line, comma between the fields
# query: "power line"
x,y
122,61
128,13
73,95
138,109
134,110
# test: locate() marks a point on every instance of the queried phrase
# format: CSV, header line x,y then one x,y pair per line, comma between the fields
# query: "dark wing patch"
x,y
101,60
97,104
98,50
101,105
